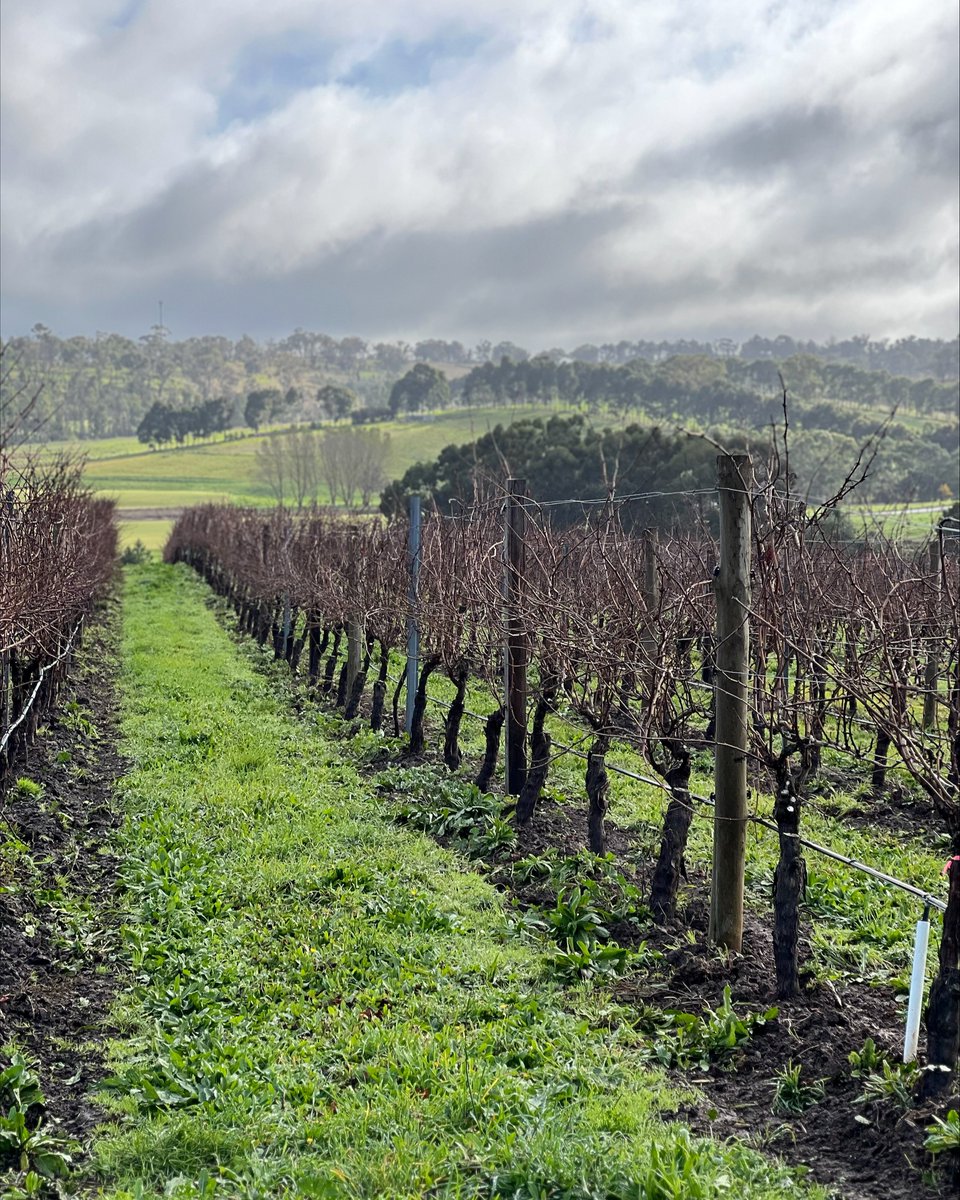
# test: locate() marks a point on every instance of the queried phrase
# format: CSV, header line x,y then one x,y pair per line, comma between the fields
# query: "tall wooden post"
x,y
651,597
735,483
7,516
931,668
515,653
413,594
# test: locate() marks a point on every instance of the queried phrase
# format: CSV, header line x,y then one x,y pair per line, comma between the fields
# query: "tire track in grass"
x,y
326,1005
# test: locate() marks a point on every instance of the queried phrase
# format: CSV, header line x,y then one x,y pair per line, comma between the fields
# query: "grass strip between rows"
x,y
326,1005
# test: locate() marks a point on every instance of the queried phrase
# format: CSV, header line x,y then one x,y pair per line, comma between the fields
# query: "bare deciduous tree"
x,y
286,463
352,461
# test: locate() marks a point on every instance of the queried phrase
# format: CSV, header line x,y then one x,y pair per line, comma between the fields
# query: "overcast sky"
x,y
550,171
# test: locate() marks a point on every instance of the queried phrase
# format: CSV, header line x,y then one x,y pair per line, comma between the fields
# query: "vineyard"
x,y
706,748
786,652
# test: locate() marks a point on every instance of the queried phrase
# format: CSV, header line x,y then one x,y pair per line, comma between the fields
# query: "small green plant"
x,y
685,1040
586,960
28,787
792,1096
866,1060
576,919
31,1150
533,868
944,1134
19,1086
136,555
63,756
448,808
78,718
893,1084
24,1144
490,838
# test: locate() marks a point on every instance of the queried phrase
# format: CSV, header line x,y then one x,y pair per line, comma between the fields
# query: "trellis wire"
x,y
864,868
33,695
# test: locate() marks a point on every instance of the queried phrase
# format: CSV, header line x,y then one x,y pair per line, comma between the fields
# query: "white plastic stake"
x,y
916,987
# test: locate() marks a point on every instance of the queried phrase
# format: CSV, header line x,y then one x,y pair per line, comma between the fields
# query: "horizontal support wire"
x,y
593,501
706,801
33,695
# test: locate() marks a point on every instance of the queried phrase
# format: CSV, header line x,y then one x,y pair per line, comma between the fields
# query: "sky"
x,y
545,171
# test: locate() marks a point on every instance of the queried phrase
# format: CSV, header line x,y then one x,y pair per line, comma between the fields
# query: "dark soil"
x,y
903,807
879,1157
58,939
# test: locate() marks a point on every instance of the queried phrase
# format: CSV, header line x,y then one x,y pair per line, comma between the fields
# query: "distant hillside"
x,y
103,386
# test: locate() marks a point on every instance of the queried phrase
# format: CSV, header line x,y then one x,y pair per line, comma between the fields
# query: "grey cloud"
x,y
798,140
830,192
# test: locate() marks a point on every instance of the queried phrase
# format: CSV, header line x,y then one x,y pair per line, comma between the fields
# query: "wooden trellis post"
x,y
931,667
732,584
515,650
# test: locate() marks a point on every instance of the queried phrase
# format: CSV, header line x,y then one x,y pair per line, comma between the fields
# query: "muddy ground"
x,y
58,935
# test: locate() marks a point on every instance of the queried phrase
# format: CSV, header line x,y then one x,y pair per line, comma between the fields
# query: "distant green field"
x,y
907,522
225,470
211,472
152,534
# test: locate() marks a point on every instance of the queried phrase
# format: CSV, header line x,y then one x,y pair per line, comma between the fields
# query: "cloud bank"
x,y
544,171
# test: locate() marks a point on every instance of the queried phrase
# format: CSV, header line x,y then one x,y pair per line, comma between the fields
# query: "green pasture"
x,y
211,472
114,447
152,534
913,522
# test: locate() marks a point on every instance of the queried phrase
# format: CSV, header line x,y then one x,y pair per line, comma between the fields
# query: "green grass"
x,y
93,448
151,533
177,478
225,470
326,1005
914,522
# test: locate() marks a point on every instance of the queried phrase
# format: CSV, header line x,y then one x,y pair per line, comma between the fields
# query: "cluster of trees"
x,y
103,386
350,463
566,457
162,424
701,386
422,388
910,356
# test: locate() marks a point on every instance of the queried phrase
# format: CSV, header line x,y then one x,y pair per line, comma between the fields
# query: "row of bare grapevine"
x,y
58,549
854,649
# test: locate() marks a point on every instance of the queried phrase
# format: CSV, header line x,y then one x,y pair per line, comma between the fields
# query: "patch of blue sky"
x,y
268,73
398,65
128,12
712,64
589,27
